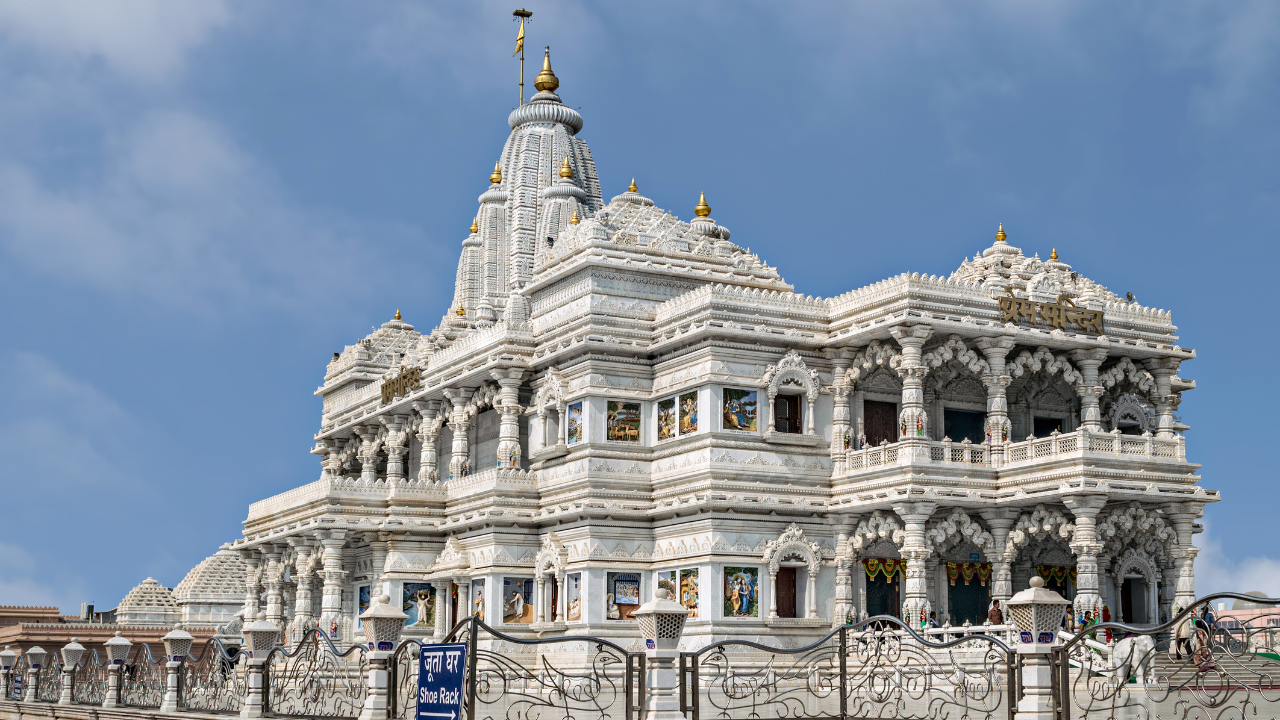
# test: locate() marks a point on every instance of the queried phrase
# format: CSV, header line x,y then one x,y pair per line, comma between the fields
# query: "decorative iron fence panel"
x,y
49,679
1213,672
18,678
215,680
142,678
89,680
510,678
885,670
315,679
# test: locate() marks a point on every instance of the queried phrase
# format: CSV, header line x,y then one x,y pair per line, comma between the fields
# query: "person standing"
x,y
1182,632
995,616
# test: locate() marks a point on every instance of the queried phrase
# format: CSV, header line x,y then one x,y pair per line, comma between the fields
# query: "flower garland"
x,y
888,566
1057,573
969,571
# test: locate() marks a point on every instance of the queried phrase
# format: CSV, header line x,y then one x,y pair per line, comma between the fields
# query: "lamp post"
x,y
382,625
661,622
7,659
259,637
71,654
177,645
35,660
1037,613
117,653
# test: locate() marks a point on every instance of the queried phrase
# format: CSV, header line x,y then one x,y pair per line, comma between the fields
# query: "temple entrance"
x,y
1044,427
1133,600
785,587
884,596
961,425
879,422
968,602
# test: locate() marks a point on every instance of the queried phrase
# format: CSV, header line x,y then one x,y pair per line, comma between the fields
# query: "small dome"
x,y
220,574
1247,605
150,603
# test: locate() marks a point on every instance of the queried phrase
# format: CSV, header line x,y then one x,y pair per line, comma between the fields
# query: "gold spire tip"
x,y
1000,236
566,171
1053,254
546,80
573,220
475,226
397,313
632,187
702,209
495,177
460,312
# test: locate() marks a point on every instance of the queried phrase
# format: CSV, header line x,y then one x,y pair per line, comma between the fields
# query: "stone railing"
x,y
1079,443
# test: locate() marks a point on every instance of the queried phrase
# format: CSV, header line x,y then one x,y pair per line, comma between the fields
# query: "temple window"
x,y
1045,426
787,414
880,421
961,425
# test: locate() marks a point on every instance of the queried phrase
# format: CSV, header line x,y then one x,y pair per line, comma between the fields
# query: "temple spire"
x,y
702,209
1000,236
546,80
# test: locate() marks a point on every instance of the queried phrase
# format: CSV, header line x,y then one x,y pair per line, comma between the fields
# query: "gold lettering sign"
x,y
409,379
1058,315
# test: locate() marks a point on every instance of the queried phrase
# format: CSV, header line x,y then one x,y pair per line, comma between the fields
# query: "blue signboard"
x,y
441,670
17,685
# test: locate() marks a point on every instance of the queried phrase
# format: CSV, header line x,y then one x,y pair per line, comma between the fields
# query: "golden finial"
x,y
546,80
397,313
1053,254
460,312
475,226
495,177
573,219
566,172
1000,236
702,209
632,187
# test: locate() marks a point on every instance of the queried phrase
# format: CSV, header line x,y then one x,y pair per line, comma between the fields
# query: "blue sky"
x,y
201,201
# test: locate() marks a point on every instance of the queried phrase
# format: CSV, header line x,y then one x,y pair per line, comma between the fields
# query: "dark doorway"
x,y
786,414
883,596
961,425
785,586
555,599
1133,600
1062,587
879,422
453,602
968,602
1043,427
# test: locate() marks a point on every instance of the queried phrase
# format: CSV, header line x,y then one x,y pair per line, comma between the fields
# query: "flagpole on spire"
x,y
523,15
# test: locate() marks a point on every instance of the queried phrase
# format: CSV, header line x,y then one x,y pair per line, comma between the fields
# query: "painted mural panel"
x,y
689,413
418,601
740,410
622,422
741,592
666,419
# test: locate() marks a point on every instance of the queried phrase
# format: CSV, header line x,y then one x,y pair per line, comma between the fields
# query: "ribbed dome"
x,y
150,603
220,574
546,107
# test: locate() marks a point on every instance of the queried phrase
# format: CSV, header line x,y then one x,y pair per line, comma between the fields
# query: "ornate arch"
x,y
550,391
791,370
791,543
879,526
1140,560
955,348
874,355
956,528
1129,406
1124,369
551,556
1044,359
1039,524
1135,527
484,397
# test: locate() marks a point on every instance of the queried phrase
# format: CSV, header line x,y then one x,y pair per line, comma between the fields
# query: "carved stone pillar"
x,y
1085,545
397,447
334,578
561,601
996,349
1163,370
252,584
811,592
844,606
931,584
915,551
1001,522
443,605
379,547
508,407
332,462
460,422
303,563
368,453
272,579
914,421
1183,516
539,599
1089,390
773,595
841,427
428,437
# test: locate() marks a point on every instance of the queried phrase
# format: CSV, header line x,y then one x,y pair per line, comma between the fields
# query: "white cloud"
x,y
179,215
141,39
1218,572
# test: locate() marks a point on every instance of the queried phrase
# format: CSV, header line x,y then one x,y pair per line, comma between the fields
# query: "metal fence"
x,y
49,679
1193,667
559,678
89,680
142,678
879,669
215,680
316,679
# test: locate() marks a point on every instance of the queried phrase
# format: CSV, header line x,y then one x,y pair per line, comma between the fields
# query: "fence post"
x,y
71,654
661,622
177,645
1036,612
117,652
35,659
260,636
384,623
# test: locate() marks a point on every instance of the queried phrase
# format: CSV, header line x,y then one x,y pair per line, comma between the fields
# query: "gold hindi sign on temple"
x,y
409,379
1059,314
